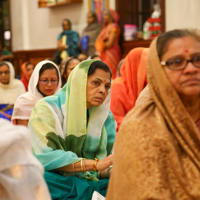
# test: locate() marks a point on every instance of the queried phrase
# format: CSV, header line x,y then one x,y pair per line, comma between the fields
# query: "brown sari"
x,y
157,152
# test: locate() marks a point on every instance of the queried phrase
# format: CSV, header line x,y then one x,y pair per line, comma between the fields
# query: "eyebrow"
x,y
102,81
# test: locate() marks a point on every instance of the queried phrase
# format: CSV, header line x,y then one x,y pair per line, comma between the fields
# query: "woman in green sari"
x,y
73,133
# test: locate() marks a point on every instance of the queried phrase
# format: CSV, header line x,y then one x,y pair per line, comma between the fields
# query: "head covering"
x,y
25,77
113,14
126,89
10,92
21,174
25,103
119,67
163,141
66,130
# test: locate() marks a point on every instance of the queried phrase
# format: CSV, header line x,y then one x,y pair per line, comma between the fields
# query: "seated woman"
x,y
90,33
45,81
126,89
10,89
73,133
26,69
68,42
66,68
21,174
107,43
158,145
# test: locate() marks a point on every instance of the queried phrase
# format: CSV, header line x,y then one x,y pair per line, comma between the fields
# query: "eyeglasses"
x,y
45,82
181,63
6,73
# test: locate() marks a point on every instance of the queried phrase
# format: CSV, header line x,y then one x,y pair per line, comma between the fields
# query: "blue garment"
x,y
72,42
9,111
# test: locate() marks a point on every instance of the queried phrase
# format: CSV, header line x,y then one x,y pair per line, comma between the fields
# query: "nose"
x,y
49,83
102,89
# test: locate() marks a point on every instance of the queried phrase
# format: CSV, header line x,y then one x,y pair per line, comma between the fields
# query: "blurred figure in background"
x,y
26,71
10,89
5,54
66,68
90,33
107,43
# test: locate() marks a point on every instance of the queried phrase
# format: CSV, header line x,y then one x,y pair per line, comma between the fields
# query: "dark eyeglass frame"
x,y
181,68
6,73
53,82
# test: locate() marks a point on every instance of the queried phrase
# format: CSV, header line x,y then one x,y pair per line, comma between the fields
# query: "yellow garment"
x,y
157,152
64,53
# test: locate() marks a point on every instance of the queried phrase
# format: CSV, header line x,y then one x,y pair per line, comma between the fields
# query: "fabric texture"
x,y
72,42
25,77
92,31
65,137
126,89
111,56
21,174
10,92
158,145
25,103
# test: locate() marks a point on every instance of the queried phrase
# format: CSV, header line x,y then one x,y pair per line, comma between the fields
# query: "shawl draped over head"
x,y
21,174
25,77
58,124
158,145
11,91
25,103
126,89
111,56
92,31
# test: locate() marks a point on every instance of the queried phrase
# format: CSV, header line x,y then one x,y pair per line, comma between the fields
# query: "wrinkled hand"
x,y
104,163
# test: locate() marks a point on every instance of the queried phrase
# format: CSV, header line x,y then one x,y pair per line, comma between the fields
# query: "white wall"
x,y
182,14
38,28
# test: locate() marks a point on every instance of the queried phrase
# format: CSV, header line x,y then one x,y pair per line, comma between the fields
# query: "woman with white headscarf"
x,y
44,81
10,89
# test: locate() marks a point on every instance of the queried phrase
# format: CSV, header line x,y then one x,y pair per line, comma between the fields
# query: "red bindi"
x,y
104,80
186,51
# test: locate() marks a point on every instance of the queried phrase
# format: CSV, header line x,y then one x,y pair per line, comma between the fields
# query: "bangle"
x,y
108,171
95,165
82,165
73,169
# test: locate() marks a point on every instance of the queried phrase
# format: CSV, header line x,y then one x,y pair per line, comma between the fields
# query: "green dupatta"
x,y
58,125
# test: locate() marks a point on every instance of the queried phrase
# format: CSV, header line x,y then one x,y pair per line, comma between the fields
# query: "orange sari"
x,y
126,89
110,56
25,77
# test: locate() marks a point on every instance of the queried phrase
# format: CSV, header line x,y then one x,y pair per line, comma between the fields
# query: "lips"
x,y
49,90
192,81
99,99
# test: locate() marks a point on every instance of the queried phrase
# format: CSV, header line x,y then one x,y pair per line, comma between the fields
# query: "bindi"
x,y
104,81
186,51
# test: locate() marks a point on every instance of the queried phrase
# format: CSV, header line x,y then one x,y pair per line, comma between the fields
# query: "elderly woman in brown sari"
x,y
158,146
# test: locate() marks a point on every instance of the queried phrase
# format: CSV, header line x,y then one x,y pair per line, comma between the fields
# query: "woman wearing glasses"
x,y
44,81
158,146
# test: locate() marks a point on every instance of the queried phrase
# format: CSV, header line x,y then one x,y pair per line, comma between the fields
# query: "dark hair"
x,y
94,15
165,38
45,67
66,66
3,63
99,65
29,63
95,55
69,22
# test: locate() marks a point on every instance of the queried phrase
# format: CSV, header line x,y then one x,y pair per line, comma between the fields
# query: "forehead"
x,y
49,73
4,67
182,46
100,74
65,23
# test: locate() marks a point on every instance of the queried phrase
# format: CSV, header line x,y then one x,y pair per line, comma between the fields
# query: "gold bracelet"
x,y
82,165
95,165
